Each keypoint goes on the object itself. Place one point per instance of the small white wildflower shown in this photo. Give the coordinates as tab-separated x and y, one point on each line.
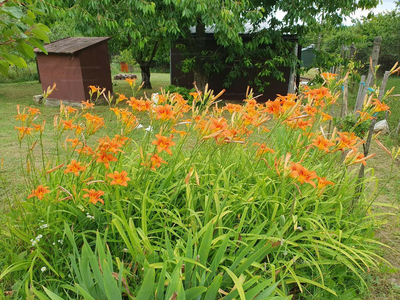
54	244
155	97
39	236
149	129
44	226
33	243
139	126
43	269
31	240
60	241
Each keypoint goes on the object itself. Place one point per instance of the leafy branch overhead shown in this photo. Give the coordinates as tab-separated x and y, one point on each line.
20	33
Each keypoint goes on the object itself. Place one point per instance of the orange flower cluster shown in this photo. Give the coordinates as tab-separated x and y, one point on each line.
93	123
303	175
26	120
164	112
127	118
108	148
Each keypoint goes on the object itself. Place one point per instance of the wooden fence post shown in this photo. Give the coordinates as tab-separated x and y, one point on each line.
371	74
360	101
370	80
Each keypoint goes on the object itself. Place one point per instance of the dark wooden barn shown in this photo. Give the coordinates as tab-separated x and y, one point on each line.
73	64
237	89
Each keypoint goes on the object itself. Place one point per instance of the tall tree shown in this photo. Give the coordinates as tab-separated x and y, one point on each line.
139	26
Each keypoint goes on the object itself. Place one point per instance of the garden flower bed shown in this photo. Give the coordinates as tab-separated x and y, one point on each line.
252	201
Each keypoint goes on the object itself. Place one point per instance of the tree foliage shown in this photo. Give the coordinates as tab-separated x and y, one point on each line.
362	34
132	24
142	26
20	33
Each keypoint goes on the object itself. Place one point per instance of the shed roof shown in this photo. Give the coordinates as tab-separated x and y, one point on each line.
71	45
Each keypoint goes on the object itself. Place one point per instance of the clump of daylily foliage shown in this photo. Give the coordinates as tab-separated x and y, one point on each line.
200	201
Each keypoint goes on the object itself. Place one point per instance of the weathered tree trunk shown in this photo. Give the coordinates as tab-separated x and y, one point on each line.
145	69
144	63
200	76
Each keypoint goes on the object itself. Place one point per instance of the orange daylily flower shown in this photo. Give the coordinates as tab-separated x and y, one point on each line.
180	132
288	101
87	105
218	124
379	106
67	124
164	112
108	145
318	94
85	150
233	107
33	111
74	142
74	167
195	95
119	178
322	143
326	117
120	139
364	116
131	81
322	182
302	174
163	143
71	110
263	149
105	158
156	161
310	110
121	97
22	131
21	117
39	127
94	89
347	140
328	76
39	192
274	107
93	123
94	196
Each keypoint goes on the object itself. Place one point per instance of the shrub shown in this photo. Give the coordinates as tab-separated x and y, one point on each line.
247	201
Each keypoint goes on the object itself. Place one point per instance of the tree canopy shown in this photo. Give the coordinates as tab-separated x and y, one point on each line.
143	26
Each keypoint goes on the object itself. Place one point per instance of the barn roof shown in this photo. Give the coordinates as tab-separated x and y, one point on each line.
71	45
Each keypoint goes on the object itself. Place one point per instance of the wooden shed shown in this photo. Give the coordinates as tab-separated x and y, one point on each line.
237	90
73	64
